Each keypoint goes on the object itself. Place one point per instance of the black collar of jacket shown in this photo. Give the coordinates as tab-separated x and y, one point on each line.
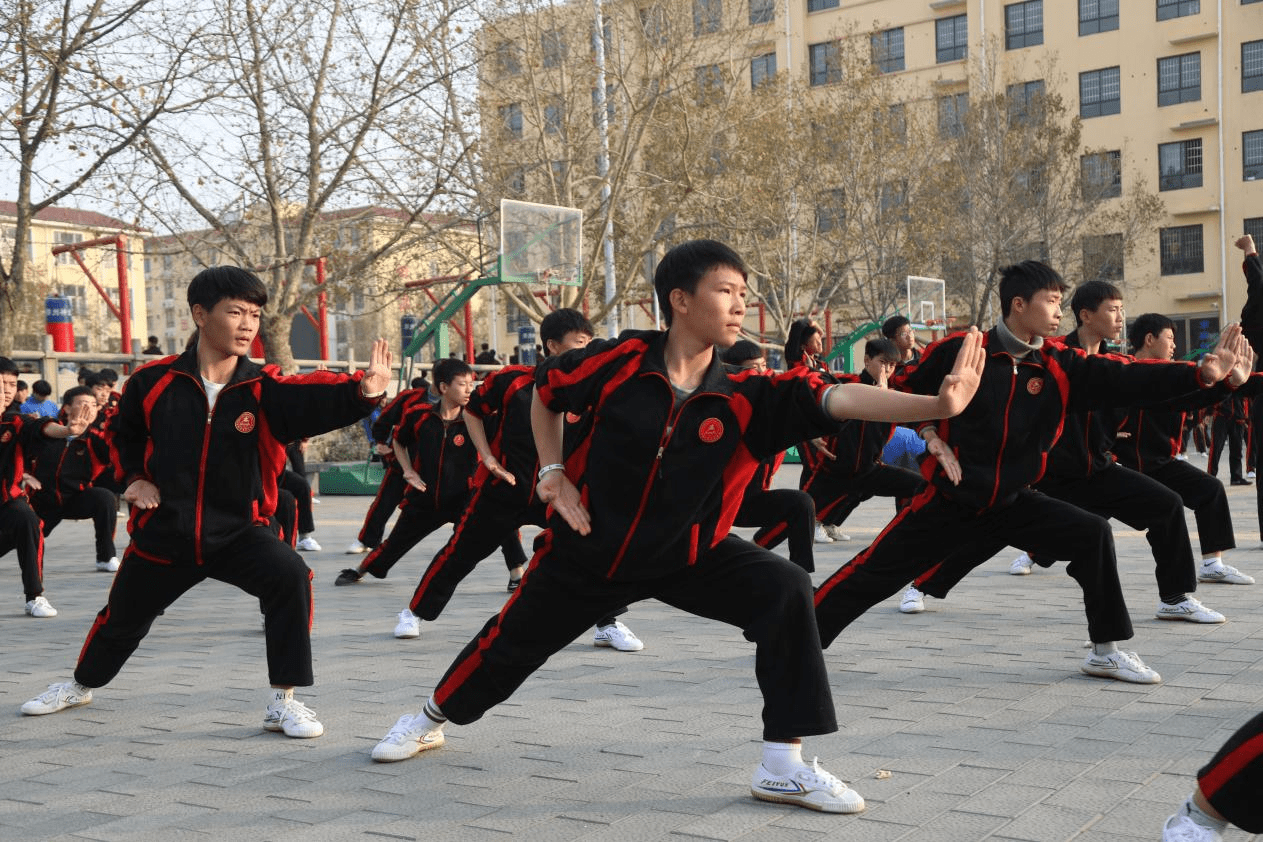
991	342
245	370
655	360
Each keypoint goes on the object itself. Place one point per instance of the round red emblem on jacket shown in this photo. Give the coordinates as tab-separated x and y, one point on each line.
571	418
1035	385
244	422
711	431
458	439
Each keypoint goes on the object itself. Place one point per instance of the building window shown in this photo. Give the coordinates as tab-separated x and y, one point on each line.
1099	93
1254	225
897	122
1103	257
762	69
831	210
1181	250
1179	79
560	171
1026	102
609	105
653	22
1251	66
514	318
552	48
554	115
1102	174
951	114
887	49
825	63
762	11
508	58
951	38
710	82
516	182
821	5
1097	16
1180	165
1252	155
65	238
1168	9
607	38
1023	24
708	16
511	118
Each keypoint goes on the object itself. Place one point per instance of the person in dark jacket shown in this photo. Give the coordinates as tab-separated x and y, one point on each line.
390	491
1000	445
656	485
198	442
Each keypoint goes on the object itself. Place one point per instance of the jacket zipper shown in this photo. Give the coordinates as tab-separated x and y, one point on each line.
1004	437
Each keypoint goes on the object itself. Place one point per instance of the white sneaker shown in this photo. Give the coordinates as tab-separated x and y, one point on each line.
1021	565
822	537
409	625
619	637
1180	457
404	741
835	532
1183	829
356	548
1123	666
315	501
40	607
307	545
56	697
1249	474
1225	573
108	566
808	786
294	718
913	601
1190	609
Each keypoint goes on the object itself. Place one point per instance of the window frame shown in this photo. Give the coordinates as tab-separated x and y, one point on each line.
767	61
1253	81
1101	107
1094	167
1102	21
958	48
1252	171
1192	165
1178	9
830	73
1176	263
882	43
1027	37
1184	91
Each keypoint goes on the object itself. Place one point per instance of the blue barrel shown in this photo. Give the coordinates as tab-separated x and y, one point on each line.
526	345
59	322
407	330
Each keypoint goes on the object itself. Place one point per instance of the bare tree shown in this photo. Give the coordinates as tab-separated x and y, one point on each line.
74	97
318	105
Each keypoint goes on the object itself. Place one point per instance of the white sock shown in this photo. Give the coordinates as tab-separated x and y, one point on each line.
281	695
1109	647
433	717
782	758
1211	560
1202	818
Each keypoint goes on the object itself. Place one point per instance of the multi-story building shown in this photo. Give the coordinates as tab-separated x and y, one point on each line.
95	326
1172	90
360	308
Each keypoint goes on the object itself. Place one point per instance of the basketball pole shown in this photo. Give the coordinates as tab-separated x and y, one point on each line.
603	169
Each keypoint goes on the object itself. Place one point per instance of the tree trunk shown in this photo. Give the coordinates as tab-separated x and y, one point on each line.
274	329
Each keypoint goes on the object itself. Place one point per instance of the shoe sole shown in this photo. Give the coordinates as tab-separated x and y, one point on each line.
1025	571
66	706
777	798
1223	581
1119	677
276	727
408	636
420	748
1191	618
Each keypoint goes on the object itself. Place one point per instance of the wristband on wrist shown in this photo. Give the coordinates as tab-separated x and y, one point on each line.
547	469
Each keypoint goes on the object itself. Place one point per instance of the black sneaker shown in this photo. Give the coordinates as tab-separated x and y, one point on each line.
348	577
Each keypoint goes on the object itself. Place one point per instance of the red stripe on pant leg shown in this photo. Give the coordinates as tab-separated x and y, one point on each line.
445	554
772	533
101	620
311	602
1224	771
921	580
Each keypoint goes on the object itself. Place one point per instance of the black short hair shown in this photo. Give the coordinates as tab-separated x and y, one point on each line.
74	392
216	283
1091	294
445	371
418	383
153	340
109	375
881	347
683	266
42	388
558	323
22	384
1147	324
742	351
8	366
799	332
1023	280
891	326
95	379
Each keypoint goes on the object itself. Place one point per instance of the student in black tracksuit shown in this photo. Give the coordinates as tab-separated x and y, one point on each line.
1000	443
66	470
1082	470
20	438
390	491
432	444
782	514
1228	425
499	424
198	442
899	331
674	442
1152	444
855	474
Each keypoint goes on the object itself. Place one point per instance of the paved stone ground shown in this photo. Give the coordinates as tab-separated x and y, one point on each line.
977	709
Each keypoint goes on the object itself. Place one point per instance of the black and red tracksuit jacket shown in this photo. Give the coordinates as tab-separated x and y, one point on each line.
503	403
1252	312
65	467
216	469
662	480
858	444
1003	438
810	456
442	455
20	437
393	412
